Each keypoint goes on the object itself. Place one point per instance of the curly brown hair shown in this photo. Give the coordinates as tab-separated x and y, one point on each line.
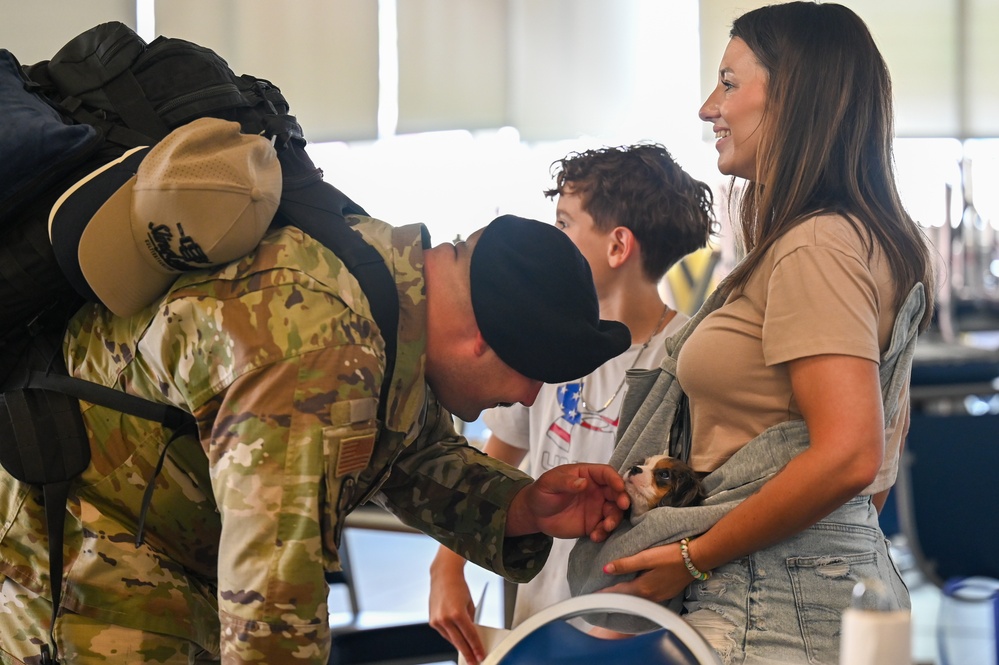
642	188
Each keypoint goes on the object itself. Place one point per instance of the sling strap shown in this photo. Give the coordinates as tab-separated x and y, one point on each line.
320	210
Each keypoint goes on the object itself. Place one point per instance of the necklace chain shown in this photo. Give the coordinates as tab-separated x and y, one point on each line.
582	382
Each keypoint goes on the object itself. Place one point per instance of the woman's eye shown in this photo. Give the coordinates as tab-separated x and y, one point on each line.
559	224
728	85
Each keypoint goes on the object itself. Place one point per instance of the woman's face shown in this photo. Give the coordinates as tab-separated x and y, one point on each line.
735	110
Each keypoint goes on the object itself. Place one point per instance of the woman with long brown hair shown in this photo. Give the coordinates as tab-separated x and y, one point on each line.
802	112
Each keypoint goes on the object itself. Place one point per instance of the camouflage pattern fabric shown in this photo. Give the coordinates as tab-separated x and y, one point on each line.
93	641
279	359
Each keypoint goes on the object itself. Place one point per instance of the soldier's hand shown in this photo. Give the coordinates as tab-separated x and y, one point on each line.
570	501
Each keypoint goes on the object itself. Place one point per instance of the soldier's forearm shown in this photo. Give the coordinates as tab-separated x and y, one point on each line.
520	519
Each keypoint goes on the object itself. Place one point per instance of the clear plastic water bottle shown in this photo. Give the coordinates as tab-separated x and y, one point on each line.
872	633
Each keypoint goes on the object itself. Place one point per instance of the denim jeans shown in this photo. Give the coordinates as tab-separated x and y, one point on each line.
784	604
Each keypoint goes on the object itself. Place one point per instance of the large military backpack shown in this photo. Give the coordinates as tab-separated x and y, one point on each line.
103	93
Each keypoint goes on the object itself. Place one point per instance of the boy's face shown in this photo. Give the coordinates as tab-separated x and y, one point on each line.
578	224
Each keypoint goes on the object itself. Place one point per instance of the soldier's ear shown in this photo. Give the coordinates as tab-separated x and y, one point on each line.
479	346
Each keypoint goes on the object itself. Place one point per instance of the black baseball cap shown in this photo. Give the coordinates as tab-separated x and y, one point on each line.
535	303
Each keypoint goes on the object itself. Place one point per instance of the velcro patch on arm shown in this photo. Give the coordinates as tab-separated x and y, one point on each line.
351	440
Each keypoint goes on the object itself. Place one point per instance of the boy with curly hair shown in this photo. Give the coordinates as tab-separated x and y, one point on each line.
633	212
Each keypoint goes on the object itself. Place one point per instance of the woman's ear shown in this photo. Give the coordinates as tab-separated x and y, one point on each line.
621	245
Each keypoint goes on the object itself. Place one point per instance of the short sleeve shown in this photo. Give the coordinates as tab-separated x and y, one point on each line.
820	300
510	424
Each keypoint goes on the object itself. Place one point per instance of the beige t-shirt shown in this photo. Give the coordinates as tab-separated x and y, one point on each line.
815	292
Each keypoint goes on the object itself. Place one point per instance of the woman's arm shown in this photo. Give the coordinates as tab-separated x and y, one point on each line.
840	400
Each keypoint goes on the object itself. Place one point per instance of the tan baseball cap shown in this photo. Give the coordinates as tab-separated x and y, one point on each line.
203	196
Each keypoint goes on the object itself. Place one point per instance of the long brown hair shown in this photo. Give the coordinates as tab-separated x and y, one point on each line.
827	139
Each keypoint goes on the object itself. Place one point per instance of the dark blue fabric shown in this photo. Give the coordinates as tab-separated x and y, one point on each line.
33	137
559	643
948	470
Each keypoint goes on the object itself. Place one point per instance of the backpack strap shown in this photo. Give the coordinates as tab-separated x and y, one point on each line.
46	444
56	495
129	100
320	210
171	417
168	415
113	132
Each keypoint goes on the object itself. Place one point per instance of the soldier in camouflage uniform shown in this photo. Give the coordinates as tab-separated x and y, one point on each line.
277	356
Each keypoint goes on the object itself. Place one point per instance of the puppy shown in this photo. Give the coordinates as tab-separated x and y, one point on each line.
662	481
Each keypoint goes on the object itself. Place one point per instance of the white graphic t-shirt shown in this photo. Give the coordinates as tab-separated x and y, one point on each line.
570	422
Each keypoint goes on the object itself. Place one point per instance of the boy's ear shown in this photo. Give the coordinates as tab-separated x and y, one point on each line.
622	245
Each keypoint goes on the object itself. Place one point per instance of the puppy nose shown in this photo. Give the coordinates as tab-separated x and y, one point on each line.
635	470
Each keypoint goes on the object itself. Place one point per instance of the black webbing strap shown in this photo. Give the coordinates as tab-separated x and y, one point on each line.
147	495
320	209
51	450
32	463
114	132
56	495
46	445
129	100
168	415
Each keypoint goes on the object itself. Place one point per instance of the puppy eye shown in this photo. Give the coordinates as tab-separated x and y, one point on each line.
662	475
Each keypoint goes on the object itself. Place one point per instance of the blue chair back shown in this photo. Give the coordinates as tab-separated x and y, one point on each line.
559	643
546	638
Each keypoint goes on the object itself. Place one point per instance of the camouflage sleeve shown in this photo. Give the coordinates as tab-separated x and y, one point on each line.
274	475
460	496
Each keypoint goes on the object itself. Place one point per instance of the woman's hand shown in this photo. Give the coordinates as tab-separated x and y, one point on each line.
846	434
664	575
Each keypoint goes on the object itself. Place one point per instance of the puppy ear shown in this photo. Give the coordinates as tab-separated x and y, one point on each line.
686	490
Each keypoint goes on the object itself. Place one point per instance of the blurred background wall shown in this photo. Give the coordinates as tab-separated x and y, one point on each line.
449	112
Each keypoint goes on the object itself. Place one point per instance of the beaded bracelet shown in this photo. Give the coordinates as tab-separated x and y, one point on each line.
691	568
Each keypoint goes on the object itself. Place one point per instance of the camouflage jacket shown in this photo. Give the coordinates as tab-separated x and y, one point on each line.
280	361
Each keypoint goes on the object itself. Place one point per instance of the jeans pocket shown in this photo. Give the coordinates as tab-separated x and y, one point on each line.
823	587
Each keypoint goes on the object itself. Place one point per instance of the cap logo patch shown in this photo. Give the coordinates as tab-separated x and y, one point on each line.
204	196
189	255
